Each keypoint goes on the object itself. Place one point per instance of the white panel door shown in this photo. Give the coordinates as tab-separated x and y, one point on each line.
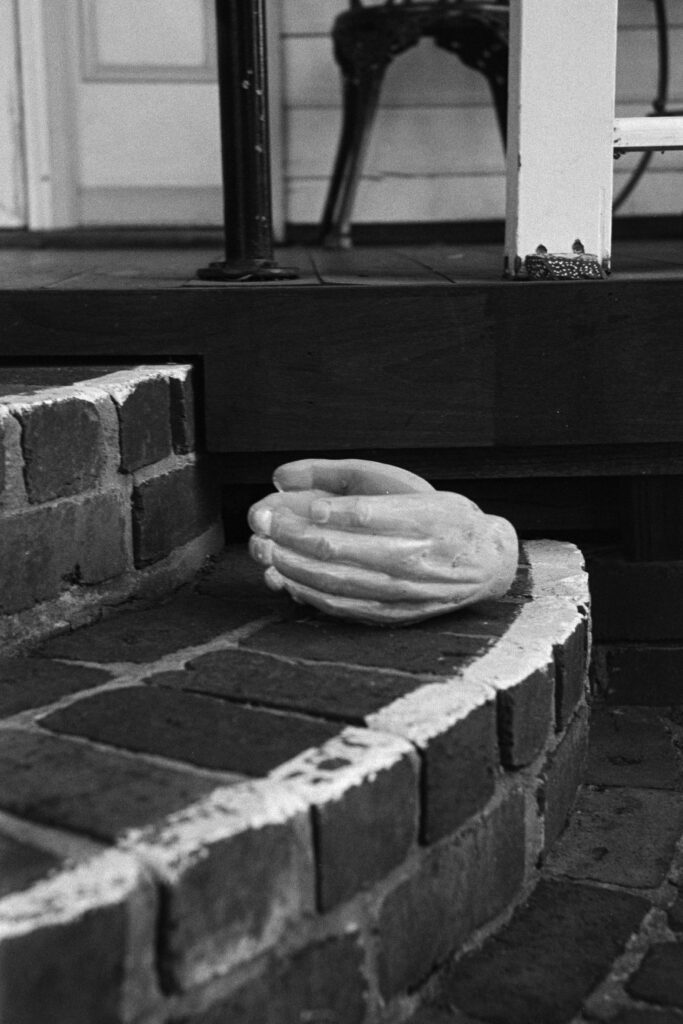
132	109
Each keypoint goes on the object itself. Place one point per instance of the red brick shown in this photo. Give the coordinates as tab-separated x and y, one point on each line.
459	885
171	509
65	974
27	380
525	716
538	669
59	782
183	427
138	636
641	674
435	1015
643	1016
22	864
236	870
235	575
542	965
636	601
571	668
659	979
77	948
408	650
336	692
619	836
323	982
63	446
562	776
453	726
558	571
631	747
144	411
486	618
363	788
31	682
367	834
200	730
46	549
2	451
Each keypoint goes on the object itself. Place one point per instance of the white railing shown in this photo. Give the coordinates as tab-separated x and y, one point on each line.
563	135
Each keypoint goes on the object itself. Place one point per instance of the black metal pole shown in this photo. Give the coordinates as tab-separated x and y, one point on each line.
245	146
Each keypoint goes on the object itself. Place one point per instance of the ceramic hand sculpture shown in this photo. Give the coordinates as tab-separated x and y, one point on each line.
377	544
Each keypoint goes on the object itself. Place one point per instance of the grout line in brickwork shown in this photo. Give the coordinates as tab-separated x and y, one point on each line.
70	846
609	995
134	671
179	841
221	778
170	462
425	677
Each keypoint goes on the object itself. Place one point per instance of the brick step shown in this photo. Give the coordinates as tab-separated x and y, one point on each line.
103	495
601	937
235	809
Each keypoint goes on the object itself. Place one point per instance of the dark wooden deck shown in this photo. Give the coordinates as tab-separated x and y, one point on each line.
421	351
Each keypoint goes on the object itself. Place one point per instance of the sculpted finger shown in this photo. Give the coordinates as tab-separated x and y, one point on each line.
348	476
395	556
408	515
504	556
261	549
259	516
399	613
356	582
277	582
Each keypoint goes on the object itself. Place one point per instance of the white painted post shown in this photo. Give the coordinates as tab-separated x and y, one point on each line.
560	138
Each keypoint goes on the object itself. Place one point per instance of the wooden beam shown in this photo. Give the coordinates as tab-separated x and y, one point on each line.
560	153
314	368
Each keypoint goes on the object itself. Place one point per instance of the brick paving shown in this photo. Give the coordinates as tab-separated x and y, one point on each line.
601	937
370	815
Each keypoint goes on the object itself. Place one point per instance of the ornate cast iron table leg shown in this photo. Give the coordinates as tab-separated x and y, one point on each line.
245	146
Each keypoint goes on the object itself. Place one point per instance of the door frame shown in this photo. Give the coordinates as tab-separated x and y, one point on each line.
12	168
43	177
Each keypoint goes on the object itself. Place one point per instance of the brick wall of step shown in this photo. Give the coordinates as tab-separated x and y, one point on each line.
102	497
230	808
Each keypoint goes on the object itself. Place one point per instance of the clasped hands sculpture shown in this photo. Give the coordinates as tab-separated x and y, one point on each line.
373	543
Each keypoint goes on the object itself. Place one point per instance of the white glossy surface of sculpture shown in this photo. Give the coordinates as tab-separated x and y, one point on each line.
376	544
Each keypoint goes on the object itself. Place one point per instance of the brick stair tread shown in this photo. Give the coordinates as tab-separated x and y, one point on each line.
198	738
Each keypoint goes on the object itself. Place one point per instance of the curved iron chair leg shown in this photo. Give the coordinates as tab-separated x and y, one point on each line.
481	42
366	40
360	103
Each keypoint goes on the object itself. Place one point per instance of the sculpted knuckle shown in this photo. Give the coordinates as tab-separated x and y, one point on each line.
362	513
325	549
